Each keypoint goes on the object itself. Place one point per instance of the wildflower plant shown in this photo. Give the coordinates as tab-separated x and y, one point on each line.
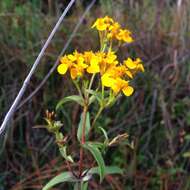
100	78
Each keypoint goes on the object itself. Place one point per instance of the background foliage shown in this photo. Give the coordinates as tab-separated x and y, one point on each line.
157	116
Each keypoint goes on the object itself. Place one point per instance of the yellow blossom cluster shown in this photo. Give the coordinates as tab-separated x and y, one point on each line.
114	74
112	30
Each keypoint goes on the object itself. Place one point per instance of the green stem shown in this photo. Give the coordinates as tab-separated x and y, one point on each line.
78	88
91	81
101	39
85	109
97	116
110	48
102	93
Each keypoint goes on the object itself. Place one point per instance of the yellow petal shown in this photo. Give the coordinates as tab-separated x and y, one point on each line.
80	60
64	60
93	69
128	39
128	90
129	74
73	73
130	63
94	60
116	88
140	67
100	24
62	69
71	57
107	80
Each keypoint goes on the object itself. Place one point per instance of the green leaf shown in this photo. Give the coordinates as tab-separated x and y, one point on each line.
63	177
98	145
108	170
81	186
84	186
95	94
105	135
64	154
74	98
92	99
87	128
98	157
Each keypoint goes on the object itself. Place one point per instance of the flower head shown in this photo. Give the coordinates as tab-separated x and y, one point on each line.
112	30
102	24
113	74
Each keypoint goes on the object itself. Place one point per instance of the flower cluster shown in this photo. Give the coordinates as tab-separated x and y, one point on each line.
113	74
112	30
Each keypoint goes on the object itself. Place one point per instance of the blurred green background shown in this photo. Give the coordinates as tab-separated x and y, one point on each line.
156	117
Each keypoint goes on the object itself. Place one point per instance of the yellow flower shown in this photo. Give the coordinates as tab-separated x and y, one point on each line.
107	80
64	66
117	84
111	58
94	65
130	63
71	57
74	73
114	75
113	30
87	56
128	90
75	63
102	24
122	70
129	73
140	66
77	70
79	66
108	20
124	35
62	69
122	85
134	65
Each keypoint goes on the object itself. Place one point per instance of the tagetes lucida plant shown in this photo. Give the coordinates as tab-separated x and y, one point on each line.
98	76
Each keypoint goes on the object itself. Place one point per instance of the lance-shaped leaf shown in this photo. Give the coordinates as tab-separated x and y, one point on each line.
64	154
108	170
74	98
98	157
95	94
105	135
61	178
80	126
81	186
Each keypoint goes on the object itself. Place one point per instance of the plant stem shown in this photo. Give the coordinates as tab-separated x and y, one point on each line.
78	88
91	81
85	109
97	115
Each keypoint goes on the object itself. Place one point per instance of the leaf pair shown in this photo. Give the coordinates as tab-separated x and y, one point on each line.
68	177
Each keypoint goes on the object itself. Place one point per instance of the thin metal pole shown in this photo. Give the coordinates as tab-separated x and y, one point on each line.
36	63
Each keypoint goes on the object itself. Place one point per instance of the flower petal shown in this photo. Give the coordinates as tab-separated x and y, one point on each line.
107	80
130	63
62	69
128	90
73	73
